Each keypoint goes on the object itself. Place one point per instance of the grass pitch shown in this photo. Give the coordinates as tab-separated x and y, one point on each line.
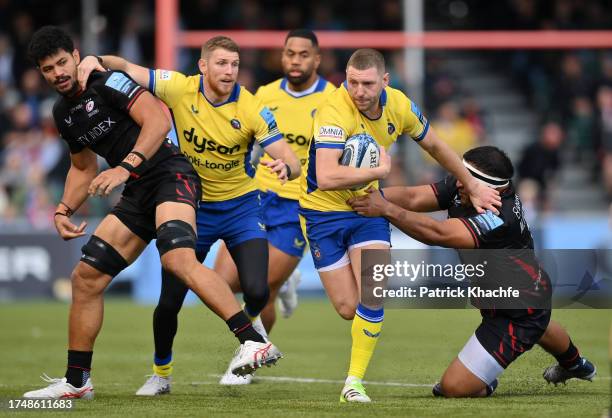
414	349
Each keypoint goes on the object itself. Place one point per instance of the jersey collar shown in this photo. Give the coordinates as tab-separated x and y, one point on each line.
232	98
382	100
317	87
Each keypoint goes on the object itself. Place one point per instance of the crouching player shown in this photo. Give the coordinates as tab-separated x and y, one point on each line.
504	334
121	122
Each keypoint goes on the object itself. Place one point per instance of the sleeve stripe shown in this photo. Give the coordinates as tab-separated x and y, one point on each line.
270	140
136	96
435	189
152	81
328	145
467	225
420	137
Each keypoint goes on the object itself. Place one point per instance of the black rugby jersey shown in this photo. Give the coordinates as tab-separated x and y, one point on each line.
510	256
98	118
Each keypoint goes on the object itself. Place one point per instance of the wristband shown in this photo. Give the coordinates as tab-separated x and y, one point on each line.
139	155
62	214
129	167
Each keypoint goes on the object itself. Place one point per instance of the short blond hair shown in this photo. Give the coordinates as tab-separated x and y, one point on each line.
366	58
218	42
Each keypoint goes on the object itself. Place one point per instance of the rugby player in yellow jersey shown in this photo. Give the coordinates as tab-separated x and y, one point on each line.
217	122
364	104
293	99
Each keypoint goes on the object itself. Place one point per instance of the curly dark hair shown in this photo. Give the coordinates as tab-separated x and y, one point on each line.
48	41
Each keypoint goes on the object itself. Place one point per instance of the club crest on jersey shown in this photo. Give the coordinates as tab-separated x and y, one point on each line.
390	128
235	123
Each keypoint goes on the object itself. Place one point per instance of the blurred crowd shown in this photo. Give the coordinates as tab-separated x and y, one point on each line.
570	91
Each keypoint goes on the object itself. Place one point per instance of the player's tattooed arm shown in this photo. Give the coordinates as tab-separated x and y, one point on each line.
450	233
83	168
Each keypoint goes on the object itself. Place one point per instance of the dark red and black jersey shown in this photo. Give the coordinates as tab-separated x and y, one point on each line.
98	118
503	240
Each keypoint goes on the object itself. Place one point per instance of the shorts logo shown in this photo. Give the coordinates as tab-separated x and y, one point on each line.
235	123
331	132
390	128
298	244
261	226
316	251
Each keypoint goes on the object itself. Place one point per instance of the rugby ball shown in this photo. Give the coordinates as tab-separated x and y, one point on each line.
360	151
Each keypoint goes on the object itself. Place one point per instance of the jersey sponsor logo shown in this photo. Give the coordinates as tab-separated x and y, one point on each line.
119	82
331	132
296	139
235	123
96	132
390	128
202	144
198	163
165	75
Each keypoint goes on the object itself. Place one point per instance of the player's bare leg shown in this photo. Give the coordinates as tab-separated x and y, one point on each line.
459	382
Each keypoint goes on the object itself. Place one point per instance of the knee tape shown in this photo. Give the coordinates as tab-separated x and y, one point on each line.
102	256
175	234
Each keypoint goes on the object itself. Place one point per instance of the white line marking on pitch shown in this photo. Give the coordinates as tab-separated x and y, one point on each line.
312	380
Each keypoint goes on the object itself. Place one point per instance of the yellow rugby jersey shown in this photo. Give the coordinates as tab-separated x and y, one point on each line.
293	113
339	119
216	139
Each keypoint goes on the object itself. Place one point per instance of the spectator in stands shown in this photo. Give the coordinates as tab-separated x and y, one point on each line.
541	160
604	135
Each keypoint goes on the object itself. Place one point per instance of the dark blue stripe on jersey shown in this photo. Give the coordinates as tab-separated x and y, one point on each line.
283	84
320	85
248	167
383	97
328	145
420	137
271	140
152	81
311	172
232	98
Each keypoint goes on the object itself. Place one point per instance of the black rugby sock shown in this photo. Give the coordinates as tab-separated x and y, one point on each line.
79	367
570	358
242	328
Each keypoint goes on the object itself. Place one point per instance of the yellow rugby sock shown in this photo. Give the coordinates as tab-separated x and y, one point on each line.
162	366
365	331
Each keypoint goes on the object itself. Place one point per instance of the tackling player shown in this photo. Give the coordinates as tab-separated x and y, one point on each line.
336	235
120	121
504	334
293	99
217	122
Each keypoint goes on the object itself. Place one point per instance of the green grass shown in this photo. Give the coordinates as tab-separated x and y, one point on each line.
415	347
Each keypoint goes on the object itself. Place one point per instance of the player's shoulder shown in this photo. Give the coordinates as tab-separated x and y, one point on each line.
60	107
327	86
270	88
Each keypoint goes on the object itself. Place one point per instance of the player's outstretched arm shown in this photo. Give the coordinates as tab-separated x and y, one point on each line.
91	63
450	233
483	198
331	175
414	198
283	157
83	168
